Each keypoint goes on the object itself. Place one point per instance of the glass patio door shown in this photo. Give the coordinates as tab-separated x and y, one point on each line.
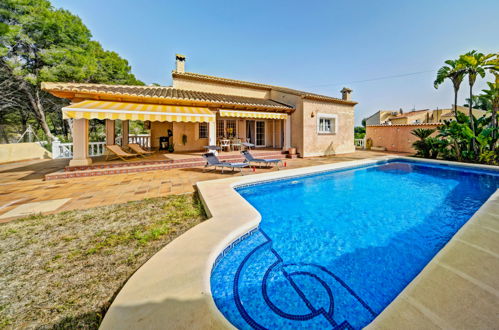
260	134
250	131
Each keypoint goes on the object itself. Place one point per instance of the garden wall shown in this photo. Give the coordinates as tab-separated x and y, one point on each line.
22	151
395	137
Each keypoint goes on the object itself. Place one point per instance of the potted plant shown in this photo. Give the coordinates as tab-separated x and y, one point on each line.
171	148
292	151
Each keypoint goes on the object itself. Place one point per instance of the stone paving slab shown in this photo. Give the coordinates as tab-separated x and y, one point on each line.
23	183
35	208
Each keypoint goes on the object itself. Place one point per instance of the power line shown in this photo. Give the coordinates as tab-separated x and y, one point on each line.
374	79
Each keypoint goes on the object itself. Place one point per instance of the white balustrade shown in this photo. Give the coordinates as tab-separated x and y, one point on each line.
144	140
361	143
96	148
65	150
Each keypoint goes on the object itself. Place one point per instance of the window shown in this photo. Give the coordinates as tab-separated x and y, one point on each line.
226	128
326	124
220	128
203	130
230	127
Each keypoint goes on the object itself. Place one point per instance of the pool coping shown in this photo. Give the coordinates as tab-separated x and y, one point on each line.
172	289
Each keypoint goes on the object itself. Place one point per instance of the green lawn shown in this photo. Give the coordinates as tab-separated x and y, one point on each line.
63	270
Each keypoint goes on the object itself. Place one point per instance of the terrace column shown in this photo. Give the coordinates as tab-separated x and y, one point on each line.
287	133
124	132
212	133
80	143
110	132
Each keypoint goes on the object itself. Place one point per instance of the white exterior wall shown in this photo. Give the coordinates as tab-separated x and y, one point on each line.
317	144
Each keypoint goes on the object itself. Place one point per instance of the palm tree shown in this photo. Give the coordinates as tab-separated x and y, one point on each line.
422	146
492	94
454	71
475	64
481	102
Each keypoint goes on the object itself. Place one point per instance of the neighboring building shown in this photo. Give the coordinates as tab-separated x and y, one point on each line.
205	108
392	117
392	130
380	117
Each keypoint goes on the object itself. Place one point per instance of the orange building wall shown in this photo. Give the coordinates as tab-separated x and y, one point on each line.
395	137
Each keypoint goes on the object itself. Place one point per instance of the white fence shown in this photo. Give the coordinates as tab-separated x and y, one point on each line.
360	143
65	150
143	140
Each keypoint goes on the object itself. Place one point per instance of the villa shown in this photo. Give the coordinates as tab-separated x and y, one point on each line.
200	110
424	116
391	130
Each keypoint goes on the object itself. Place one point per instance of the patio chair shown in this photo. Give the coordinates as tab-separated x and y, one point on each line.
236	144
117	151
212	160
250	159
139	151
225	144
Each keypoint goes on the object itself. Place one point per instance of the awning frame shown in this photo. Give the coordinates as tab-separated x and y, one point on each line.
252	114
183	113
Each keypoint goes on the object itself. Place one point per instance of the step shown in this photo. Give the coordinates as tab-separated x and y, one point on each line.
119	170
229	158
99	170
117	165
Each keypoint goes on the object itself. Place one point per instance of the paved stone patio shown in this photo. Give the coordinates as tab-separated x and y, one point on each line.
22	183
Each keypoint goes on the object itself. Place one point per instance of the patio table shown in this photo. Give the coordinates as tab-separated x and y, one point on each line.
214	149
248	145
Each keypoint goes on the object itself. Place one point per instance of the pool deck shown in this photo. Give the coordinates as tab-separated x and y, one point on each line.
459	287
23	189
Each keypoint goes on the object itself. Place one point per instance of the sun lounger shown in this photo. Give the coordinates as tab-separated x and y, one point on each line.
250	159
117	151
138	150
212	160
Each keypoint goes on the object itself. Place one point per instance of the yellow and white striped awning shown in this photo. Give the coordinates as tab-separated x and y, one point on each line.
252	114
137	111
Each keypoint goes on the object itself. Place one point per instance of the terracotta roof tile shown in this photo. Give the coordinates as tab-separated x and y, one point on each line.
162	92
411	113
413	124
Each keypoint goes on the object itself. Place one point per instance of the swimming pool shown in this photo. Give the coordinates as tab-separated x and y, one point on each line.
334	249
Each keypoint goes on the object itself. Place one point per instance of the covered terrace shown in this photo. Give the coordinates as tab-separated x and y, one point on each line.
188	120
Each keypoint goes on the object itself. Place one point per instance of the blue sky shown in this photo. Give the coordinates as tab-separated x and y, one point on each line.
318	46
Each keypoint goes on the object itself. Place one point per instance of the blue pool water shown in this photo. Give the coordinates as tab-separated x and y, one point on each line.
334	249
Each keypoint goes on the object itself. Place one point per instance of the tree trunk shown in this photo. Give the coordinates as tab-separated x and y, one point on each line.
456	90
24	123
458	151
3	133
36	105
472	122
494	125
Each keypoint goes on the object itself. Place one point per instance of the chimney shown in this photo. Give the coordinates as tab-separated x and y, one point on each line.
345	94
180	63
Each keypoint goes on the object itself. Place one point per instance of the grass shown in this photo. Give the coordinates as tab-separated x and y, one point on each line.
62	271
